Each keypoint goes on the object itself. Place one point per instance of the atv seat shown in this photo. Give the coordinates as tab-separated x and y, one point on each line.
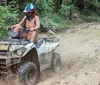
40	42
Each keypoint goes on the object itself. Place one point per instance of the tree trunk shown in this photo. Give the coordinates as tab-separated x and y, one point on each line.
35	2
5	2
80	4
58	4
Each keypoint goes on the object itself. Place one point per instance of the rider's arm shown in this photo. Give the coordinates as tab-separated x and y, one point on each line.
37	24
22	22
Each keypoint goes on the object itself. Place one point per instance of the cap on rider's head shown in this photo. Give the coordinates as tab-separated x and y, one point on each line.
29	8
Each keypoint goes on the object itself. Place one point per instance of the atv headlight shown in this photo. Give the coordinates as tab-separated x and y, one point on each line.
20	51
10	49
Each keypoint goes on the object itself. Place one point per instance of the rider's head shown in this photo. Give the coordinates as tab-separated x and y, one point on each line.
30	11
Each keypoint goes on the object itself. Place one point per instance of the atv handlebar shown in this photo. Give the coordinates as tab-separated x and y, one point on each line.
26	30
10	29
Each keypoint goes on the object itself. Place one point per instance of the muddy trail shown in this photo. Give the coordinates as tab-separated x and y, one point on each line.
80	52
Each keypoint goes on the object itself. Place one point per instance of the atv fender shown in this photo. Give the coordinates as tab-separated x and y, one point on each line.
29	47
32	56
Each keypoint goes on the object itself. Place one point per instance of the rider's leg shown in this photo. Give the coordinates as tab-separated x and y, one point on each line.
33	36
25	35
18	29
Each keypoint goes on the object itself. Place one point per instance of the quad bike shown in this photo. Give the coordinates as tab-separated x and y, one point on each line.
26	59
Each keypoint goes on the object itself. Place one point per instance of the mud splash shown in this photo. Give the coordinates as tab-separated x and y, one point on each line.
9	81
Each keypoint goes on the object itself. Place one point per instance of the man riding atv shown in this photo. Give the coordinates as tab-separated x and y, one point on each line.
31	23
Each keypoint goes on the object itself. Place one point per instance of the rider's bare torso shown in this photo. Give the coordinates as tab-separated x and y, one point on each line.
31	24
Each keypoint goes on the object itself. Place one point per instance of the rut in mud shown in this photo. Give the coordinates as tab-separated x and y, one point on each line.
80	51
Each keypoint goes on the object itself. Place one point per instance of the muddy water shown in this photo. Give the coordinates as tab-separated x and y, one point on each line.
79	49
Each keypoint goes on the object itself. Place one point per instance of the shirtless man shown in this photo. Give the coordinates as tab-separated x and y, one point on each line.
31	22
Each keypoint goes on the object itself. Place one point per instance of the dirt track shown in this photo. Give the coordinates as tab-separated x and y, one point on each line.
79	49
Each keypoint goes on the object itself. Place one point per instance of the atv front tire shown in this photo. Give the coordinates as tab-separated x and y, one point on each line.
28	73
56	63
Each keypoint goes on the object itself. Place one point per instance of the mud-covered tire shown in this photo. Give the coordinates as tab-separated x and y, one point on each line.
28	74
56	62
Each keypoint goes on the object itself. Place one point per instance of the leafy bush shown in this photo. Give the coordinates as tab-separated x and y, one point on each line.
48	24
7	18
46	8
65	10
46	15
51	19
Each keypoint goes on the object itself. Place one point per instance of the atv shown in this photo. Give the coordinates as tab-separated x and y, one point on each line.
26	59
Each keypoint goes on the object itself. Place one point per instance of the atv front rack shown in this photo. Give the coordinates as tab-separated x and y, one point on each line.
14	42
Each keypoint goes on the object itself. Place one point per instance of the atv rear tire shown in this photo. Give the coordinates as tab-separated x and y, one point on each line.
28	73
56	63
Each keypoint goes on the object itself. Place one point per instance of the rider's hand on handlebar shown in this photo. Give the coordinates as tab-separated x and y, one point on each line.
9	29
32	30
27	30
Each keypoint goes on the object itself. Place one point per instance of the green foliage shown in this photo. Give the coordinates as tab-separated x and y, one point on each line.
46	16
65	10
61	23
14	6
48	23
50	18
7	18
46	8
53	20
93	2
